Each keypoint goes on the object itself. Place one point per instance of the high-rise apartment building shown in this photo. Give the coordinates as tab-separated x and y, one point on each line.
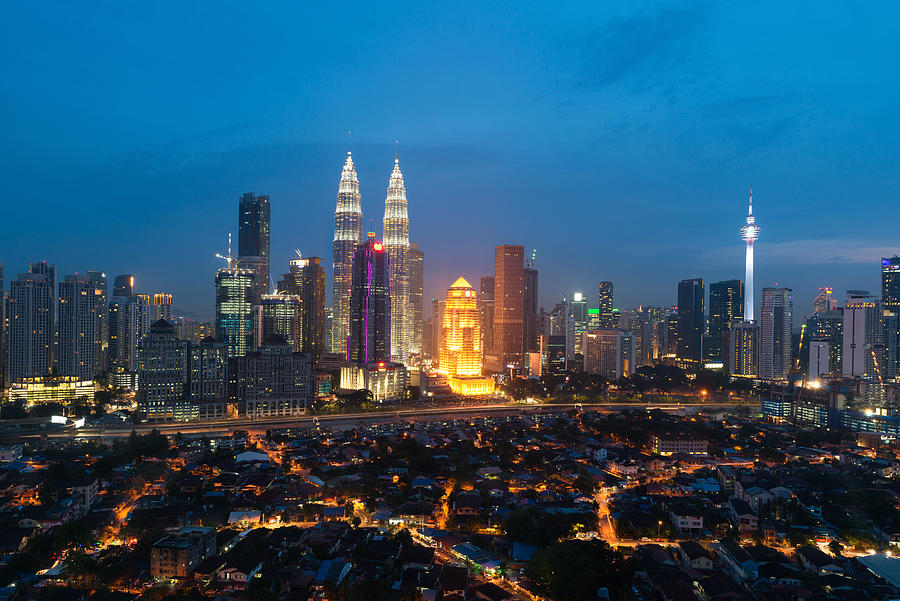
825	327
347	236
606	305
691	320
775	321
30	338
395	228
162	307
101	313
740	350
49	269
460	350
509	304
609	353
370	305
162	372
416	297
235	288
77	328
279	314
253	239
890	298
726	307
306	279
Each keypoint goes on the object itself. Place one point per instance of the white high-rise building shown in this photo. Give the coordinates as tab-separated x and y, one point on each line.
30	326
396	241
347	236
775	333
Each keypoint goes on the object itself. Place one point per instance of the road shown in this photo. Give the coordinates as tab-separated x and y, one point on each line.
349	420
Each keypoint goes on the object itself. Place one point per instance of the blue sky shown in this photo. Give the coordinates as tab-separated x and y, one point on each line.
622	137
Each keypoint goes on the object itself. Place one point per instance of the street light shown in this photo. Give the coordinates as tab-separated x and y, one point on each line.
658	526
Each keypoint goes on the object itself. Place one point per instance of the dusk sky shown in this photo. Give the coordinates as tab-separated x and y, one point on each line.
622	137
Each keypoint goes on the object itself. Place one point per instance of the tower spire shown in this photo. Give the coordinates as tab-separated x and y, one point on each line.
396	152
751	199
348	141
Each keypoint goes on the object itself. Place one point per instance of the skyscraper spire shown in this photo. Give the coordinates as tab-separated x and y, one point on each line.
347	235
396	240
749	233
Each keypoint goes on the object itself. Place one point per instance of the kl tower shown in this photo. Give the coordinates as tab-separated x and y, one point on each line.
749	232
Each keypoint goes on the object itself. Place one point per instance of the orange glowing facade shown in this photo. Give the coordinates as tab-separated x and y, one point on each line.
461	352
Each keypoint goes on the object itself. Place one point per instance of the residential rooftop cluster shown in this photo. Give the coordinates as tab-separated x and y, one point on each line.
558	505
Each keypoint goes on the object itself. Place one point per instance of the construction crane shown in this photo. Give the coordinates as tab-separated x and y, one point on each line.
530	262
228	259
800	348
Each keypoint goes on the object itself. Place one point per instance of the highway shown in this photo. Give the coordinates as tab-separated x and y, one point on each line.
345	421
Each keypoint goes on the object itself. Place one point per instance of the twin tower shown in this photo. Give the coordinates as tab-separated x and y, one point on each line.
348	235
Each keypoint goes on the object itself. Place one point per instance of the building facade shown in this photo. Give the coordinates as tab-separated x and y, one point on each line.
460	351
273	380
30	338
254	222
347	236
235	288
369	341
395	227
691	320
775	322
77	328
416	298
509	305
605	306
726	307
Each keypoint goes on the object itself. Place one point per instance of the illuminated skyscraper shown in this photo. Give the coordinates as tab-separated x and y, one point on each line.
486	310
775	321
370	305
347	236
416	297
749	233
253	238
606	306
77	324
235	288
509	305
101	312
30	326
460	350
825	301
129	322
740	350
162	307
396	241
579	318
890	298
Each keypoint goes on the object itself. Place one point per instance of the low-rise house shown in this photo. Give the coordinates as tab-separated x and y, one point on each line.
816	561
695	556
742	515
238	570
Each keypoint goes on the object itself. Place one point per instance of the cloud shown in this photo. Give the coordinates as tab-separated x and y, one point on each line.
642	51
814	252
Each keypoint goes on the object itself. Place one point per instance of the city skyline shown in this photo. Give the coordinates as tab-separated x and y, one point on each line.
183	166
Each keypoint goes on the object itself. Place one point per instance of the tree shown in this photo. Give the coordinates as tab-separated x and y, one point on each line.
835	547
584	483
573	570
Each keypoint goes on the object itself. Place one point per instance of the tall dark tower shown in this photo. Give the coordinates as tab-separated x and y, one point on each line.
347	236
370	305
253	238
890	298
606	306
690	320
726	307
307	280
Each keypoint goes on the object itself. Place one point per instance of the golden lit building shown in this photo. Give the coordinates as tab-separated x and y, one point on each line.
460	352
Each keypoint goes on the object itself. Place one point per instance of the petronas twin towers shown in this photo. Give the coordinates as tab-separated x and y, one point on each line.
348	235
